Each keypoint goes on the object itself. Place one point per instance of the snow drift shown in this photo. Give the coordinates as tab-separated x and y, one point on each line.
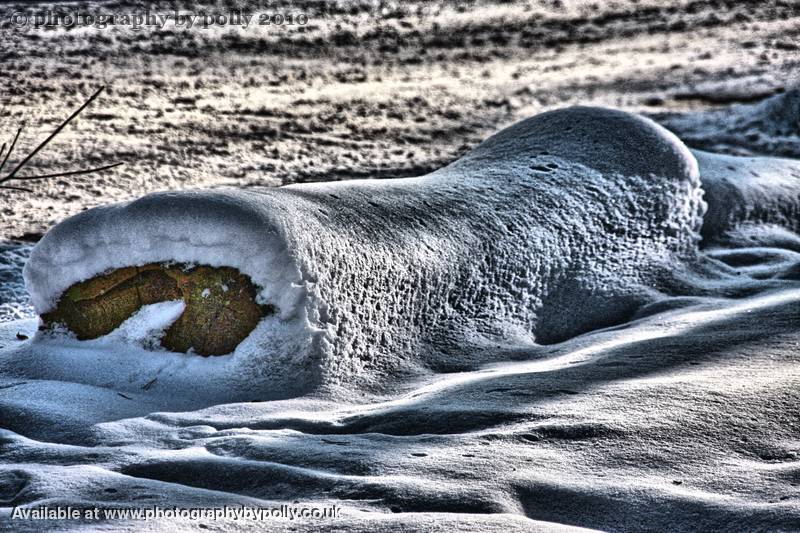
563	223
583	207
768	127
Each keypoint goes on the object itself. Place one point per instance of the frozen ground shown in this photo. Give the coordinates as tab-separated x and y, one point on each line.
680	415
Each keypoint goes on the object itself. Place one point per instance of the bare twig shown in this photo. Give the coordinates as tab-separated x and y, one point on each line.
70	173
13	143
12	188
150	383
13	174
52	135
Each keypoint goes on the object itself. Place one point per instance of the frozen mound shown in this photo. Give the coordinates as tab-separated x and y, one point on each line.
771	126
581	208
747	191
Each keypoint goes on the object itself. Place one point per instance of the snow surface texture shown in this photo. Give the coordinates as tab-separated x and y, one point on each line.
768	127
441	347
14	302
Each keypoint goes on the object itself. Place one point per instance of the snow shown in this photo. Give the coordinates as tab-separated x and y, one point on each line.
580	322
544	436
370	275
13	296
768	127
747	190
145	327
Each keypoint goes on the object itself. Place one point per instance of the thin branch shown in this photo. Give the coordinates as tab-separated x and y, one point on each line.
70	173
13	174
13	143
51	136
11	188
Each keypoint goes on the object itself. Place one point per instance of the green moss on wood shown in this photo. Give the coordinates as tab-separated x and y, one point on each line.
221	308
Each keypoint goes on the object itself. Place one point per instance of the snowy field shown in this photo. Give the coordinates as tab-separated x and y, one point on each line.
587	320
